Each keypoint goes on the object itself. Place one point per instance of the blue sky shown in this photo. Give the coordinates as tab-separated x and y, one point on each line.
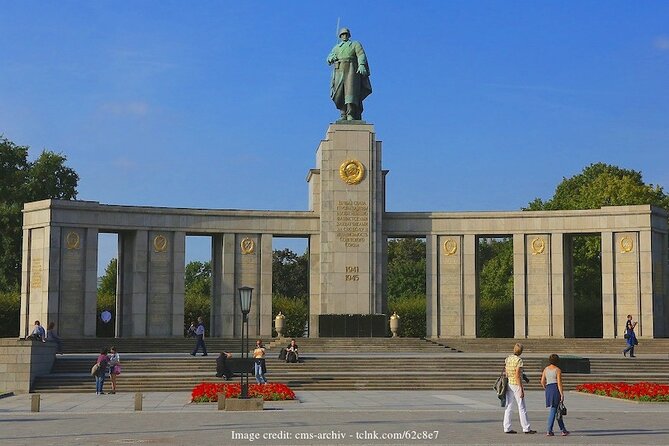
481	105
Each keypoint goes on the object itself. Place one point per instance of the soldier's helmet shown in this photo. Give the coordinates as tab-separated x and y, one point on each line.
344	31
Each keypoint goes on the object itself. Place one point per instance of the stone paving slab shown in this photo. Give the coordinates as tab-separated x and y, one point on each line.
323	418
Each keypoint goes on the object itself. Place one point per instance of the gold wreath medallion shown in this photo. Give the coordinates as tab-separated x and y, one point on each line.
352	171
450	247
73	241
160	243
248	246
538	246
626	244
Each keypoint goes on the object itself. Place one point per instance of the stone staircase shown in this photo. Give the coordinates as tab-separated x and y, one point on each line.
352	363
573	346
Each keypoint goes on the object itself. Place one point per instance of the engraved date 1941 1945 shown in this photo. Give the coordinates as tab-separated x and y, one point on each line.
352	273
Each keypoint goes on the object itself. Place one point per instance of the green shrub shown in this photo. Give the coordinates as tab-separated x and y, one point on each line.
411	311
495	318
296	310
10	308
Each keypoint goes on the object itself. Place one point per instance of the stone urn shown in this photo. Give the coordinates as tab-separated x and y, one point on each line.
279	324
394	324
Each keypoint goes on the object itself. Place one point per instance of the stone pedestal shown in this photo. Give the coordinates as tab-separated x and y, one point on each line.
348	188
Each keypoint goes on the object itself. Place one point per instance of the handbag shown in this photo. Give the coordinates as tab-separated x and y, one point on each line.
626	336
562	409
94	369
116	370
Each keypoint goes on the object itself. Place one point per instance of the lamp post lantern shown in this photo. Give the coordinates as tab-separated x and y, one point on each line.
245	295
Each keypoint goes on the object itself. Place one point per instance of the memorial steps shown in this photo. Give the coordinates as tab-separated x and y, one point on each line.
570	346
354	364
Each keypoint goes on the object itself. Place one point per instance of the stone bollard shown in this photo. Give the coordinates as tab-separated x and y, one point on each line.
138	401
221	401
34	402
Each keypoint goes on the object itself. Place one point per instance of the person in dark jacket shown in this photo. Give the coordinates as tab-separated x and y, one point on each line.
222	369
291	352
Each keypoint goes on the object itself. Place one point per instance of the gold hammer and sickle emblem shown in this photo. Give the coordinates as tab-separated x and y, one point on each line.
351	171
450	247
248	246
538	246
160	243
73	241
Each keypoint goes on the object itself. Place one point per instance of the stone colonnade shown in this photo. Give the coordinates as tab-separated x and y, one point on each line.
635	268
348	228
60	266
59	275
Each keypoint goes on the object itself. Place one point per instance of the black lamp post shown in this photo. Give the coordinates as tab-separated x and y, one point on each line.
245	294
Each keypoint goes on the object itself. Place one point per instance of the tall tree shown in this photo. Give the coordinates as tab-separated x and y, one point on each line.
23	181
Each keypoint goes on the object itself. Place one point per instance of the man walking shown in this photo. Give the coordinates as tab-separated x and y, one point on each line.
199	334
515	392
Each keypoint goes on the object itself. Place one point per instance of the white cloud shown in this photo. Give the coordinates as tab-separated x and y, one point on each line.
133	108
662	43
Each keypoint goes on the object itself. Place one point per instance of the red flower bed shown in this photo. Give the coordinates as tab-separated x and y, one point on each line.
642	391
208	392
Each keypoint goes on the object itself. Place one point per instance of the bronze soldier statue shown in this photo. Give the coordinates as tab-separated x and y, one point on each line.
350	78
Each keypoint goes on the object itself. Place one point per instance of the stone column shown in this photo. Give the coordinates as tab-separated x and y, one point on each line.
91	282
40	277
519	289
248	273
559	301
223	315
568	286
432	307
166	258
179	284
451	286
470	286
538	285
609	322
626	281
78	283
350	212
315	303
133	267
265	295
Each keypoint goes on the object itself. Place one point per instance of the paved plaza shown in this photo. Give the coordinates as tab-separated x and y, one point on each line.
323	418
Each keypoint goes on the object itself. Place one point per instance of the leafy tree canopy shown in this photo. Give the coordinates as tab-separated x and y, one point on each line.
406	267
23	181
107	285
600	185
290	273
198	279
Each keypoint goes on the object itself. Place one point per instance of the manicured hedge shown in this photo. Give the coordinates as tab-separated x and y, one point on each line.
411	311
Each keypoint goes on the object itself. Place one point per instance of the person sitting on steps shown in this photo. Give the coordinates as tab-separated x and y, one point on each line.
291	352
